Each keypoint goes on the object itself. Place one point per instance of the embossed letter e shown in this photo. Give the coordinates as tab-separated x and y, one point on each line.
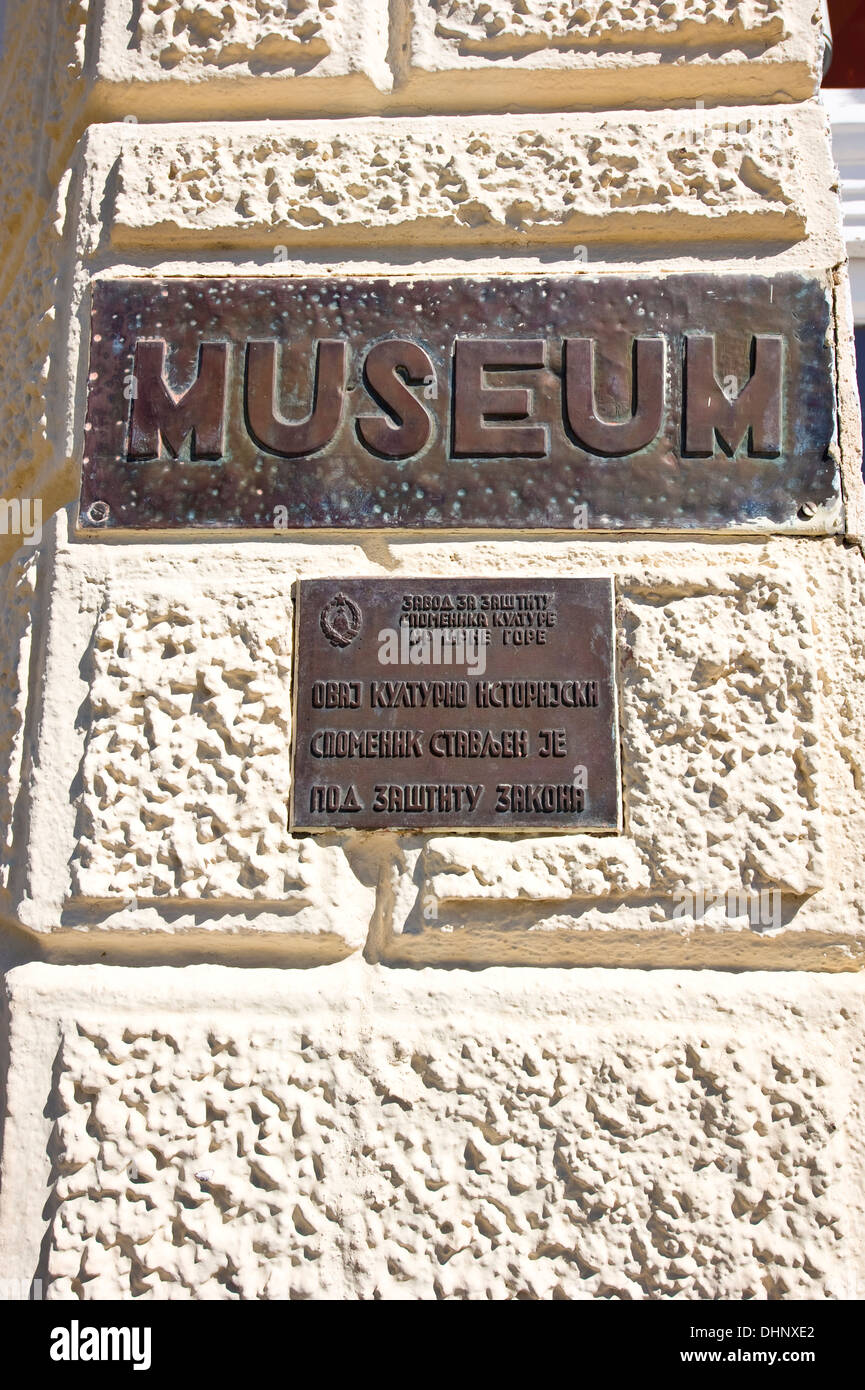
159	416
756	411
267	426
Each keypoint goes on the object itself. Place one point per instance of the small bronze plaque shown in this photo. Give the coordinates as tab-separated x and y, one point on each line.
599	403
461	704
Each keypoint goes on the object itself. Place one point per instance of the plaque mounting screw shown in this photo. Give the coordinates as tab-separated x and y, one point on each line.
808	509
98	513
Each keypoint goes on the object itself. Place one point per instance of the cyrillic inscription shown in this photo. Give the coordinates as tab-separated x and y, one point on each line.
430	715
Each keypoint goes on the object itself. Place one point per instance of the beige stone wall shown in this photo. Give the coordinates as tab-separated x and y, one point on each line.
358	1132
654	1087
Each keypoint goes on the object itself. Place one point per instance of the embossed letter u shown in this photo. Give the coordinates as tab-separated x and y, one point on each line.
613	438
267	426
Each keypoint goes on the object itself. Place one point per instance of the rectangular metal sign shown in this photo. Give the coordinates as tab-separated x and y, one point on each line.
462	704
601	403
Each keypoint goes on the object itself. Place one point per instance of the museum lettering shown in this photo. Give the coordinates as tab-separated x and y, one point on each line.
395	415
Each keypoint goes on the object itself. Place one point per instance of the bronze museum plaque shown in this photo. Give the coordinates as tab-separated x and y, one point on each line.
465	704
696	402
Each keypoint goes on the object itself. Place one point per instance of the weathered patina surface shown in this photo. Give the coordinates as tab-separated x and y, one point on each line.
694	402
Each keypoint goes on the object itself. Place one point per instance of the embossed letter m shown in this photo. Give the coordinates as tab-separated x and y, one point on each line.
157	414
710	414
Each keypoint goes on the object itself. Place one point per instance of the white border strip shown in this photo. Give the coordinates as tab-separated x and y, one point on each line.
846	108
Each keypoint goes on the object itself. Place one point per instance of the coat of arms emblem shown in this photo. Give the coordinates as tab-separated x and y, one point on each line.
341	620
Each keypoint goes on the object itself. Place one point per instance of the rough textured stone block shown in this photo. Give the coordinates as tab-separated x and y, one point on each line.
163	749
736	174
737	740
185	770
216	1134
570	52
253	54
720	732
